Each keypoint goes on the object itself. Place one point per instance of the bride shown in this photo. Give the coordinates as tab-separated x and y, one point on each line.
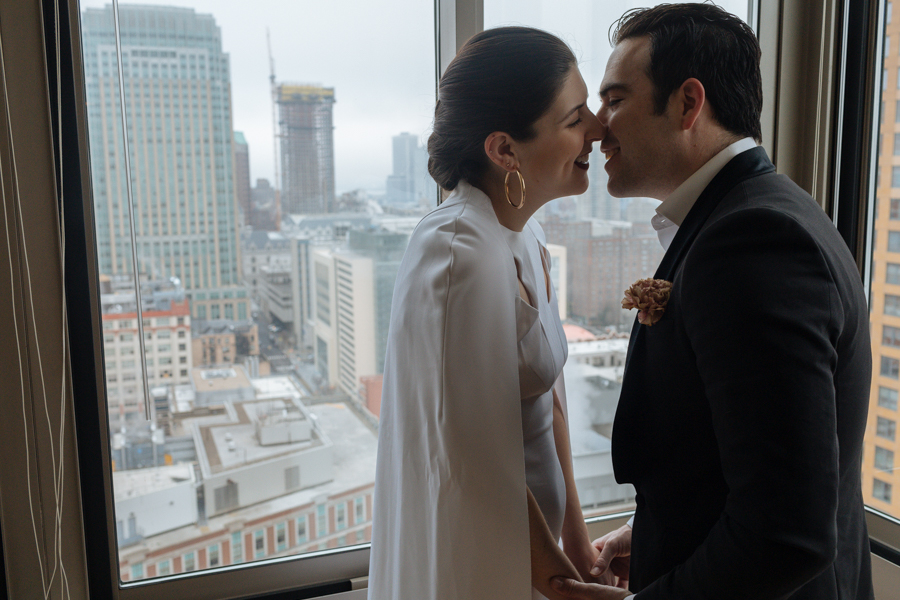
474	486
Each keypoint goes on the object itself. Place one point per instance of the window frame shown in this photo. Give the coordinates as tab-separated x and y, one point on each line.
842	159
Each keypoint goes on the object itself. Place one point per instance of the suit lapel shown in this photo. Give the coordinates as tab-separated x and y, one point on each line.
740	168
638	384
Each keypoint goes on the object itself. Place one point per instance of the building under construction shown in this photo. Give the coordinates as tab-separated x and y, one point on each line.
307	148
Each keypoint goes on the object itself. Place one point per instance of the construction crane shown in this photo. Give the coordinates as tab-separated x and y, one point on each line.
273	88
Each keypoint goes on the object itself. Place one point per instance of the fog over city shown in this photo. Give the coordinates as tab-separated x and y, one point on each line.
381	66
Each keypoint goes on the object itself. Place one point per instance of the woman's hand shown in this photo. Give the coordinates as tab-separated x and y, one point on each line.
582	554
613	556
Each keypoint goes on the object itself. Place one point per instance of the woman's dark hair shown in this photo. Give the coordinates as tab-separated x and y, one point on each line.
502	79
707	43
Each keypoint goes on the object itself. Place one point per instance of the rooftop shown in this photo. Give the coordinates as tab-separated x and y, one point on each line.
231	440
597	347
138	482
354	450
218	380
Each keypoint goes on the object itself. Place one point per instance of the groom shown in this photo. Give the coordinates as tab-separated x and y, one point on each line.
743	407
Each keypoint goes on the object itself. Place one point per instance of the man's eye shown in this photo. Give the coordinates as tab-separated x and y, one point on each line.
613	101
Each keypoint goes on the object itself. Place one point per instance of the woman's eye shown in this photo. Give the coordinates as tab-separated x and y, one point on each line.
576	122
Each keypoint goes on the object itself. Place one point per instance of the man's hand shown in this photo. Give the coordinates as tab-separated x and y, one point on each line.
615	555
587	591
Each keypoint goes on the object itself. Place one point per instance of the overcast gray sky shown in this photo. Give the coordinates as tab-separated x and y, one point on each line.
379	58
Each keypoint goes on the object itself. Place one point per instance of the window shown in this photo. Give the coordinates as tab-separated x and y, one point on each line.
199	270
321	521
891	336
894	241
893	274
137	571
280	537
301	529
360	514
887	398
882	491
890	367
886	428
892	305
237	548
884	459
259	543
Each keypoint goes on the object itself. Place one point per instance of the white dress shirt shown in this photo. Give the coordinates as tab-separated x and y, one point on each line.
671	213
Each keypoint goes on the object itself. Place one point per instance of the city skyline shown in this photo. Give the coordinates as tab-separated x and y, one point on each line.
374	104
180	142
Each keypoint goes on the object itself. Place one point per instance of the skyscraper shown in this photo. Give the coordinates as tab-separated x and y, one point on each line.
409	182
307	148
177	90
242	176
881	476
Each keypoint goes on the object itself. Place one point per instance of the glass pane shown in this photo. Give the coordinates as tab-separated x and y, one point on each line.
879	474
271	214
600	246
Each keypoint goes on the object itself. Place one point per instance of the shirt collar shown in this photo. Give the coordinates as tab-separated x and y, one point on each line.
679	203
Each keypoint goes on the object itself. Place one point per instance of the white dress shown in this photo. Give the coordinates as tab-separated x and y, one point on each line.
466	414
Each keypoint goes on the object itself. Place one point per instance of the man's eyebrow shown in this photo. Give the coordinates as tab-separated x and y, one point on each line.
574	110
606	89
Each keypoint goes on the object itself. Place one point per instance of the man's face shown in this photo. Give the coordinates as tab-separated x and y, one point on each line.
641	146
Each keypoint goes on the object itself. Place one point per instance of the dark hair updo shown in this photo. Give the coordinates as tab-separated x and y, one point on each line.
502	79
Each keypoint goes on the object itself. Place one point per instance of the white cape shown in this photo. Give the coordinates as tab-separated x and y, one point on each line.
450	509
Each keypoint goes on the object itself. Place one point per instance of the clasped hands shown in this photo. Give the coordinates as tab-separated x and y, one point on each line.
609	571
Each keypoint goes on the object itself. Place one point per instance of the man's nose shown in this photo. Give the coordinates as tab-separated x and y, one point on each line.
603	116
596	130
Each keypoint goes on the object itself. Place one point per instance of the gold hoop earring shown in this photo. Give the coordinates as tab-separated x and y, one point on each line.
506	187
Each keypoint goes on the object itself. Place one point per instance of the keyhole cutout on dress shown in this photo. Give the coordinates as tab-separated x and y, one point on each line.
523	292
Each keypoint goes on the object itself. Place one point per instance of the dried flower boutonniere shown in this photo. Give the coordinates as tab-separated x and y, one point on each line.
649	296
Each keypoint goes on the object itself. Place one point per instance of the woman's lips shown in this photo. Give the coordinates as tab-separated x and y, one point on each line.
582	161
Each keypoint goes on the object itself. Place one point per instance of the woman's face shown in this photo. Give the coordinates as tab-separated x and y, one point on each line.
555	162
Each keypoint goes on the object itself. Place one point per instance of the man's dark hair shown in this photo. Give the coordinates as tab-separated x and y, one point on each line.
502	79
707	43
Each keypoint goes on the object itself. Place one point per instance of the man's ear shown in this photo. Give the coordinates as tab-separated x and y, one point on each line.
499	149
690	99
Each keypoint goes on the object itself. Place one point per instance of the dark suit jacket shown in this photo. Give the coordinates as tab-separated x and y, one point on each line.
743	409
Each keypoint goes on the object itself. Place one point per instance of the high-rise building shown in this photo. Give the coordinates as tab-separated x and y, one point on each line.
167	327
307	148
881	469
265	213
177	89
242	176
604	258
409	182
596	202
353	289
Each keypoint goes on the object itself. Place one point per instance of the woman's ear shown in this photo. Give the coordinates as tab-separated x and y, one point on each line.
499	150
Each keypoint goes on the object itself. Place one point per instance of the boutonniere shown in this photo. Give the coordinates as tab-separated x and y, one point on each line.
650	297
